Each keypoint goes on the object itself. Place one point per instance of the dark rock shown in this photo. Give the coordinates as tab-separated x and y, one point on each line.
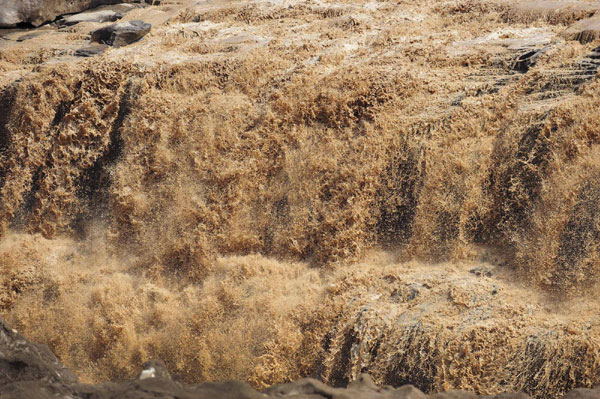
364	381
36	12
121	33
511	396
21	360
33	390
91	51
454	395
30	370
164	388
227	390
306	387
363	388
469	395
408	392
528	59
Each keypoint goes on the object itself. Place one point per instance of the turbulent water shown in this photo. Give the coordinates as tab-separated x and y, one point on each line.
266	205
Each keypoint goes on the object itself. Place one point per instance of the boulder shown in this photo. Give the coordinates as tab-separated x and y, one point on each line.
21	360
36	12
91	16
121	33
29	370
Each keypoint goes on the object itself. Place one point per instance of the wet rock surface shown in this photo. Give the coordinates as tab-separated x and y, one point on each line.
29	370
528	59
122	33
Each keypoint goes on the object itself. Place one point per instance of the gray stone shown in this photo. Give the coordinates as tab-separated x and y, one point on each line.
469	395
92	16
29	36
519	395
91	51
22	361
363	388
408	392
36	12
121	33
458	394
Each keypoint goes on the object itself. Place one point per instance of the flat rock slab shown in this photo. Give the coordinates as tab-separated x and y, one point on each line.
121	33
584	31
36	12
92	16
29	36
91	51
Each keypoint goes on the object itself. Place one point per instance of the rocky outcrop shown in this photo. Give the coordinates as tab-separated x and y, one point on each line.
31	371
36	12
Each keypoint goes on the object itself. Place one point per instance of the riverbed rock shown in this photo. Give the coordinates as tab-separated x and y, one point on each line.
121	33
92	16
91	50
37	12
29	370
